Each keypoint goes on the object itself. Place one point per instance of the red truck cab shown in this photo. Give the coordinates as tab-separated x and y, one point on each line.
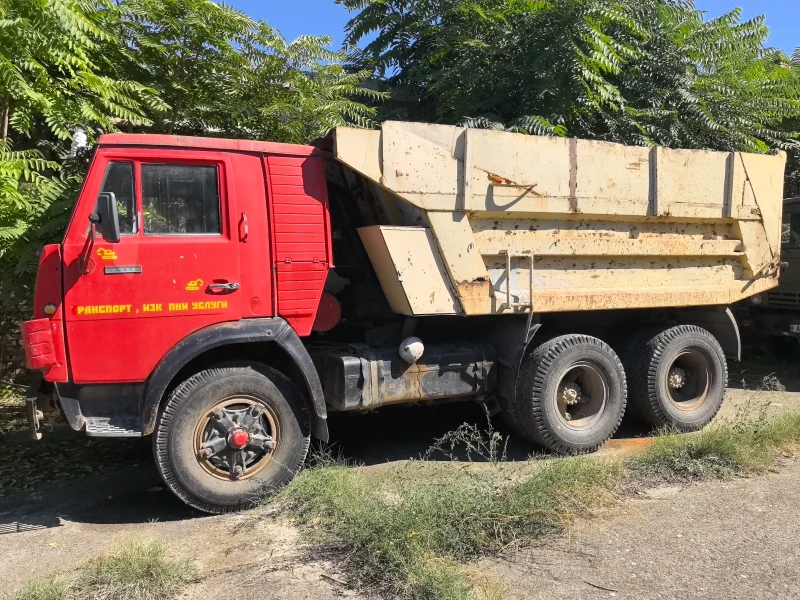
217	240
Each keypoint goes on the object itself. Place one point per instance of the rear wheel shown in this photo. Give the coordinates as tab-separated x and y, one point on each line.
571	394
230	435
677	376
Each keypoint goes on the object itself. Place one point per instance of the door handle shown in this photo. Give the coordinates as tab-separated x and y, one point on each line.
230	287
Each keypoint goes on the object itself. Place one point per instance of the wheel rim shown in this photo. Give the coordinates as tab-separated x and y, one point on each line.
688	379
236	438
581	395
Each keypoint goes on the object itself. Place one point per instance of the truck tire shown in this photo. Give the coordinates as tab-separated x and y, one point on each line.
571	394
678	377
231	435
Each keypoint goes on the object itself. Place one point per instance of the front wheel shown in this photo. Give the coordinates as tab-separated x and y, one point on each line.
230	435
571	394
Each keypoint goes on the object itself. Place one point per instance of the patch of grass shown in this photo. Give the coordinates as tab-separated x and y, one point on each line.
411	537
411	530
12	407
54	588
11	394
139	570
721	450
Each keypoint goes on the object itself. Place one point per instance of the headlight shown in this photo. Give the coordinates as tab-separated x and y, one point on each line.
756	300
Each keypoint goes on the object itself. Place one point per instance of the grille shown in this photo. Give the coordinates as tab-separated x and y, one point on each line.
783	300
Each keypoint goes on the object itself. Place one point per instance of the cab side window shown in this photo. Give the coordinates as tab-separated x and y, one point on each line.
180	199
118	180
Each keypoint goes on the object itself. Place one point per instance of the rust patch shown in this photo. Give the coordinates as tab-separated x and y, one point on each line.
474	294
500	180
573	175
627	446
477	287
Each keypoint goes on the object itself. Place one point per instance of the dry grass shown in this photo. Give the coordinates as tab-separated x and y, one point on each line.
139	570
411	531
411	536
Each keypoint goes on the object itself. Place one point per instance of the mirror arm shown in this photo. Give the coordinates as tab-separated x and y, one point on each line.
86	254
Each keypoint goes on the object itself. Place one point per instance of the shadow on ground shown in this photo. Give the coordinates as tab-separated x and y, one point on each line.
115	480
68	476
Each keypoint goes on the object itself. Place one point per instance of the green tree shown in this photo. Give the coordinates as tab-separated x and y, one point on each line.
792	187
630	71
171	66
47	71
224	74
49	84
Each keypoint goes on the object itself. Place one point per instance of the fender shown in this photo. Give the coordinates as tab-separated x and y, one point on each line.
720	322
241	332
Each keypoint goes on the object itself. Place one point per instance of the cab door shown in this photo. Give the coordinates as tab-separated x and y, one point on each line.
174	270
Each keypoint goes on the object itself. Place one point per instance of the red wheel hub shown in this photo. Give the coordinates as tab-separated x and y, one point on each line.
238	438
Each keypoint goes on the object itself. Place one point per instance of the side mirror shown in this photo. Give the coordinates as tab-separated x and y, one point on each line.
105	217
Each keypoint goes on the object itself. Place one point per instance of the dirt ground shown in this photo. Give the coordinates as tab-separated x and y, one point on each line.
68	499
718	540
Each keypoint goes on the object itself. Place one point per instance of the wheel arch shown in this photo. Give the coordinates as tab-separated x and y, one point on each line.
272	339
719	322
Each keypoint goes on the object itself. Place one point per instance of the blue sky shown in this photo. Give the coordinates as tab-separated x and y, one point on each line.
323	17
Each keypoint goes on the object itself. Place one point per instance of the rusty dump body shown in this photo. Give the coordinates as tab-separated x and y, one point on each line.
479	222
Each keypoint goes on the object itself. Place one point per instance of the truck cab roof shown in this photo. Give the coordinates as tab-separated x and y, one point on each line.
206	143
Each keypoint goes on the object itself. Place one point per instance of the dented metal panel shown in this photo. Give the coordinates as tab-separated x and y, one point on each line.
608	226
409	269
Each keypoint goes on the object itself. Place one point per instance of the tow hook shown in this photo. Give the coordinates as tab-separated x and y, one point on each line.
35	416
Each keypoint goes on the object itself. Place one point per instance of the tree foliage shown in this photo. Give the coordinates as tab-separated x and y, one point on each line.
631	71
164	66
221	73
48	72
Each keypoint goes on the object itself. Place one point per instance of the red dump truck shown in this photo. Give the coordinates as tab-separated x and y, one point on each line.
223	296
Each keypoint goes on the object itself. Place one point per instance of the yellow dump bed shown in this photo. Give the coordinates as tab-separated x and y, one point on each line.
487	222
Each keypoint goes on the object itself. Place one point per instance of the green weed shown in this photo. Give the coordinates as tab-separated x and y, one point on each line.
409	536
411	529
720	450
139	570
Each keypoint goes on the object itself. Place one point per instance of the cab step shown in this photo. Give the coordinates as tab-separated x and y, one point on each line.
113	427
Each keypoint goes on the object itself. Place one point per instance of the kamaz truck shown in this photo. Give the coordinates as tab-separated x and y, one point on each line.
225	296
